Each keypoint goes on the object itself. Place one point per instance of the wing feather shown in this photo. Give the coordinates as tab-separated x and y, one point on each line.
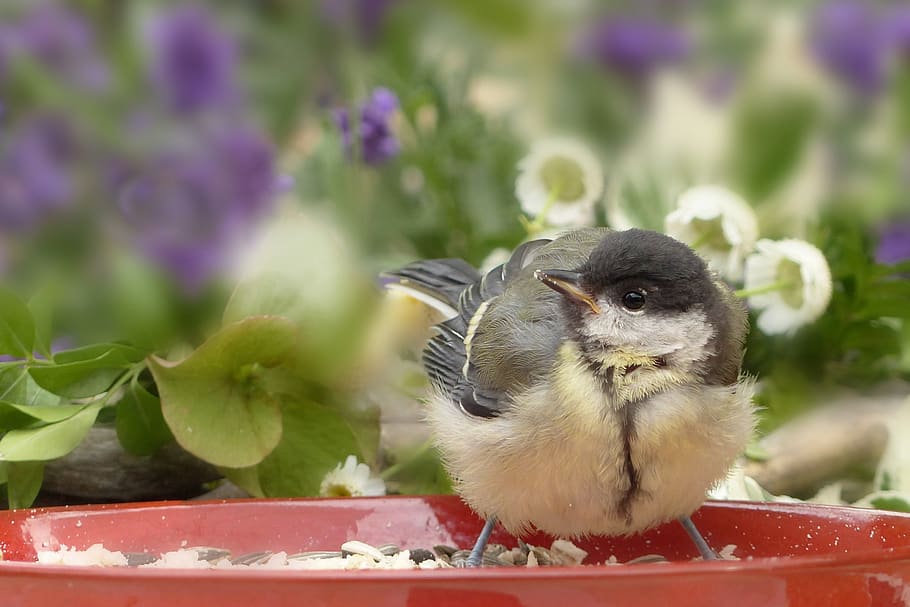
454	285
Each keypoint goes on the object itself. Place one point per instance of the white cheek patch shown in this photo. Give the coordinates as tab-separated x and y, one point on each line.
684	335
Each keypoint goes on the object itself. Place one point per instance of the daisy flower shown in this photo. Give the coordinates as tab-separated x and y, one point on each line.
718	224
351	479
737	486
558	183
789	281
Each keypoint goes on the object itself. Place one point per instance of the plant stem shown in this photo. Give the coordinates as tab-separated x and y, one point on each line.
769	288
128	377
400	465
540	222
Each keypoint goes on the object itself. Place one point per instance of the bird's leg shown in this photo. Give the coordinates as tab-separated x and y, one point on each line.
476	557
706	552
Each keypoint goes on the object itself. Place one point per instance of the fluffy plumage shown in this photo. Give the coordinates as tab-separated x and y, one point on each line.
579	419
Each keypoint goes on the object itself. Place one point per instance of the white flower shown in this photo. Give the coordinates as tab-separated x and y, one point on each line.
791	284
718	224
351	479
684	139
738	487
560	179
785	64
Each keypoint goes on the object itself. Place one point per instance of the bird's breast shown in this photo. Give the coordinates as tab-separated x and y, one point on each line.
570	460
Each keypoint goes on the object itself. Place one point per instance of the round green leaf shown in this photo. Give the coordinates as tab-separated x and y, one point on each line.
305	272
141	428
50	441
245	478
17	329
23	483
217	402
41	306
316	439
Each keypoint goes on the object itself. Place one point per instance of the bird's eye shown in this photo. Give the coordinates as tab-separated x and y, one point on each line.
633	300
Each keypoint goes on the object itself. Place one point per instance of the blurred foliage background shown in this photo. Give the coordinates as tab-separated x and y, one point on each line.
170	172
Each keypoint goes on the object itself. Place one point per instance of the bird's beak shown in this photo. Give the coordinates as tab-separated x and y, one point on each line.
567	283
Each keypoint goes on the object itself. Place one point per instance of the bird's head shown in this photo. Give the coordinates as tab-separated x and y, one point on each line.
645	304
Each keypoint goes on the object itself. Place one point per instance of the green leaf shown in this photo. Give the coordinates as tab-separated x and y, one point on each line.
365	424
885	500
897	503
50	441
87	371
41	306
23	483
419	471
120	354
245	478
316	439
141	304
502	18
770	132
17	329
901	103
17	386
641	199
306	274
755	452
140	425
13	415
216	401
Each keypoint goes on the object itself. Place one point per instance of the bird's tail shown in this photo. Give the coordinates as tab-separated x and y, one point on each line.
436	282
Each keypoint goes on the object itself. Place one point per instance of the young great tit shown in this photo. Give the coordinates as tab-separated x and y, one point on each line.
589	385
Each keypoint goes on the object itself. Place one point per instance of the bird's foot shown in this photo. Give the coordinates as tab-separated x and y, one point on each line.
475	559
703	548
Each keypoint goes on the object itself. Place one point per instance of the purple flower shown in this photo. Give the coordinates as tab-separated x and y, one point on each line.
193	59
188	206
898	25
376	141
850	41
35	169
633	46
364	16
894	243
58	344
60	40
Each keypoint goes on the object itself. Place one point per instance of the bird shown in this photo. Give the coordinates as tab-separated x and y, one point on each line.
589	385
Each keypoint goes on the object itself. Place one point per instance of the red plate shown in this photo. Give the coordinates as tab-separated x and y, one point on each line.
793	554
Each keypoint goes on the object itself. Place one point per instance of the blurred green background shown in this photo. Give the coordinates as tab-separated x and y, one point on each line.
169	169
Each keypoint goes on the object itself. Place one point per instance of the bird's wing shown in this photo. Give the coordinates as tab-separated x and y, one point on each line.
438	283
455	286
516	340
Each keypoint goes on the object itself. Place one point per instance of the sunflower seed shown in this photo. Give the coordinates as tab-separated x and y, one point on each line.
204	553
315	554
648	558
494	549
358	547
567	553
443	550
134	559
541	556
419	555
251	558
389	549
